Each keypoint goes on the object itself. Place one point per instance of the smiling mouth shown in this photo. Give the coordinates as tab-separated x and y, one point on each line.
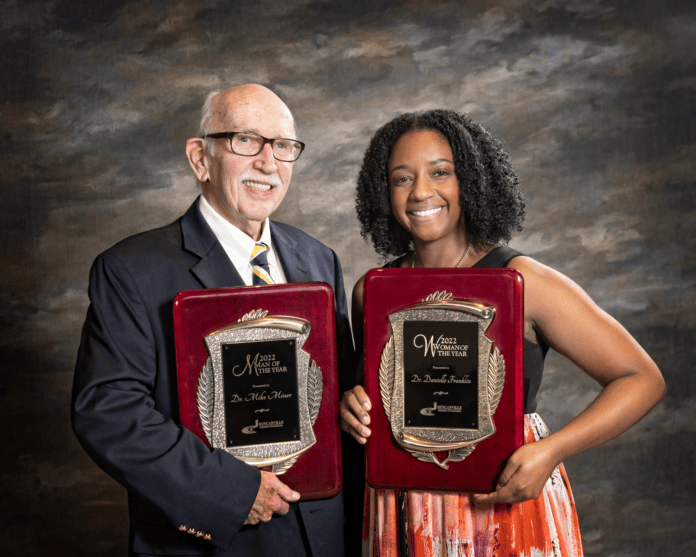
258	186
426	212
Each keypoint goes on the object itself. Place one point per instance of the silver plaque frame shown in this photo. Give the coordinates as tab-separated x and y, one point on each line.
256	326
424	442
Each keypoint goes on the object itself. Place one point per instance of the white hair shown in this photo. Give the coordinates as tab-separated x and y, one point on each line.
204	127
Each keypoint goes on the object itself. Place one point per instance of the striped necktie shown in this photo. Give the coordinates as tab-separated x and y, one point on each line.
259	263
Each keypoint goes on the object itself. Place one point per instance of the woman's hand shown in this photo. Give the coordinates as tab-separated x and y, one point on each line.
353	410
524	475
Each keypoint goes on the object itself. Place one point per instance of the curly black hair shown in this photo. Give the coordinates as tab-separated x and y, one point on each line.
489	190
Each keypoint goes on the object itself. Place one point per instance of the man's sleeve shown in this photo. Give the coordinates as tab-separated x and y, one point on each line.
116	419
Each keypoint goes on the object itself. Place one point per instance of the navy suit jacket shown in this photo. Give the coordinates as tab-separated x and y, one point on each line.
125	409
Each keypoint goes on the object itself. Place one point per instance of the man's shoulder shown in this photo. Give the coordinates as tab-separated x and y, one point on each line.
149	245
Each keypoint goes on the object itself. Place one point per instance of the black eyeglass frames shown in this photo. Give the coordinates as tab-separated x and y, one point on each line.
249	144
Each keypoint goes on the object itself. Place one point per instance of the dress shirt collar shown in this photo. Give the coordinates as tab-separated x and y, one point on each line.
238	245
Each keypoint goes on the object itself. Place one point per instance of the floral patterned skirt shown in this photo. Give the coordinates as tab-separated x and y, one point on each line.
425	524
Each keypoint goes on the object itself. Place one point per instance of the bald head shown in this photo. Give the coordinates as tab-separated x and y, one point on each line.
251	99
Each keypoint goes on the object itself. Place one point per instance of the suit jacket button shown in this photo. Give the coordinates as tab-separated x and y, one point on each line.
191	531
182	528
199	534
207	537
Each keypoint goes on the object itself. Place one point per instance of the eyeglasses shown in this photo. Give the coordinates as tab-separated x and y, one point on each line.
249	144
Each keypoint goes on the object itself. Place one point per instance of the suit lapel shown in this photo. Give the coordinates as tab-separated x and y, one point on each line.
214	270
295	267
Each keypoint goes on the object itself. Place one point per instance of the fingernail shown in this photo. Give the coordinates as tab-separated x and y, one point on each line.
367	406
365	432
295	495
366	420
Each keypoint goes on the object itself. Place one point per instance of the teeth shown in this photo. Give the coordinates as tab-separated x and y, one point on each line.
426	213
257	186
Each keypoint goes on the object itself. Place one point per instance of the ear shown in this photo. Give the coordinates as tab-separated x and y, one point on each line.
195	152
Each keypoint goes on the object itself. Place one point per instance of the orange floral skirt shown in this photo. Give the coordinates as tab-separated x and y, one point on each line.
450	525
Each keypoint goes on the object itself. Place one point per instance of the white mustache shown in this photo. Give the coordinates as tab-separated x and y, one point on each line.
273	180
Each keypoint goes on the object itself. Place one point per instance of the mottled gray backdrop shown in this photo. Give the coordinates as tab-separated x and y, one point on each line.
595	99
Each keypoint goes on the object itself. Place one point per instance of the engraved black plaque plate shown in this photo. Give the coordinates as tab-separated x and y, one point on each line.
260	390
441	374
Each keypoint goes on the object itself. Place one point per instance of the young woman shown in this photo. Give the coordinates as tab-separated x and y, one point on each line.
437	190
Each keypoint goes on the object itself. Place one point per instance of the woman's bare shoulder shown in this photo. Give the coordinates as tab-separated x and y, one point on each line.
539	277
359	290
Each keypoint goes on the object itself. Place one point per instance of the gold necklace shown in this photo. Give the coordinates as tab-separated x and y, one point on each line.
413	260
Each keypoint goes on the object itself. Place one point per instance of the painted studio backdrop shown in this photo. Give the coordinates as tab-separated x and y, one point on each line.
594	98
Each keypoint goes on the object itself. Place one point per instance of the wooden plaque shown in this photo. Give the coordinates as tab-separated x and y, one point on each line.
444	366
257	377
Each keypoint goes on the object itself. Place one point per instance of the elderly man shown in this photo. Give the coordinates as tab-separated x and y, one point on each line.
185	499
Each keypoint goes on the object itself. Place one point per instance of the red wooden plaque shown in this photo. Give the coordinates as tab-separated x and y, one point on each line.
317	472
388	291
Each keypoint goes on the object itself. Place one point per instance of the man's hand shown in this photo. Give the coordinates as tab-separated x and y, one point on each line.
273	497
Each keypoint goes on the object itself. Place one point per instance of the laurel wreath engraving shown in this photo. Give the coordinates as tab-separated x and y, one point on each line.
495	383
457	456
496	378
428	457
255	314
282	467
438	296
206	399
315	387
386	376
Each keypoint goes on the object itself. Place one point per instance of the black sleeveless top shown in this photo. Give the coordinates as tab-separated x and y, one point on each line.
534	353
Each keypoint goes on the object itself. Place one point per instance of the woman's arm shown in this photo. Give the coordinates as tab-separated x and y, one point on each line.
355	404
565	317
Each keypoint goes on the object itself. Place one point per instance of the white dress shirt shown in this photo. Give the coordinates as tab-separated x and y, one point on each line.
239	246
